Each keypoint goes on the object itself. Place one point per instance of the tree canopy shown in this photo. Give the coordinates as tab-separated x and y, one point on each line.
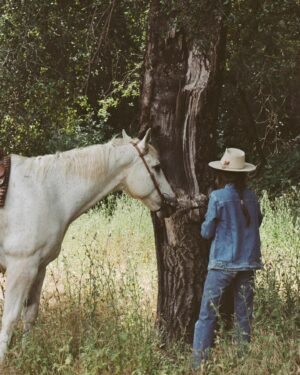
71	71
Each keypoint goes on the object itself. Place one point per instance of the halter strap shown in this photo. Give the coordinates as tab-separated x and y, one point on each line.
150	173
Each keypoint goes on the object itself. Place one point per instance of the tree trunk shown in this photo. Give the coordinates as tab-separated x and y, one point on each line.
180	94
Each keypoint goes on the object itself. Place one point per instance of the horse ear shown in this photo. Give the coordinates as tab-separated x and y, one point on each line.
125	136
143	144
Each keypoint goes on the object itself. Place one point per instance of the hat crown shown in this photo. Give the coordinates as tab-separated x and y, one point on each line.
233	158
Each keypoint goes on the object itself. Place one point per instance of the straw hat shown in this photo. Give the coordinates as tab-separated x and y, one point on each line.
233	160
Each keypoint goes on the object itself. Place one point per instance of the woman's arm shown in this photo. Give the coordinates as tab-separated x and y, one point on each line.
208	228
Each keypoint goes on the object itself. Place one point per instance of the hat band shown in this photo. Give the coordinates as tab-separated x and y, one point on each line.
225	165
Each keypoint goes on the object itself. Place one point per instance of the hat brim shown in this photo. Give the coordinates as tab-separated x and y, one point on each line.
218	165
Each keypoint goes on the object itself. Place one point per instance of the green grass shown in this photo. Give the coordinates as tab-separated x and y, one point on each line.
98	306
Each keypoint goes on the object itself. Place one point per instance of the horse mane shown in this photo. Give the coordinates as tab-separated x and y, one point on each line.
121	142
88	162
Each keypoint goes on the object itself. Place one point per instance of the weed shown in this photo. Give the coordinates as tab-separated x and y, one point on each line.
98	305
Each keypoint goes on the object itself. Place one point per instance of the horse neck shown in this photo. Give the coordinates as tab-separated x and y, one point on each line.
89	176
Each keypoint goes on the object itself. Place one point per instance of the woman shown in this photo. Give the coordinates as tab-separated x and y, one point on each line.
232	222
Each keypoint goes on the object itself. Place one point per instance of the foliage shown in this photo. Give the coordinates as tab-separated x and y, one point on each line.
263	45
71	71
281	174
197	19
59	63
98	306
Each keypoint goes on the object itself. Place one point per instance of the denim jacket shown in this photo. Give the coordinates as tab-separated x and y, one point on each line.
234	245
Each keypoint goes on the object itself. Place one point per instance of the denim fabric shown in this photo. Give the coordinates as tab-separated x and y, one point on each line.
235	246
216	282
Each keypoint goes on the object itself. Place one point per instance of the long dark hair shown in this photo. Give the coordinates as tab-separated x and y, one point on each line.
239	180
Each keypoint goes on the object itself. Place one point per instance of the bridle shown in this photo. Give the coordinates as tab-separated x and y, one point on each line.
164	198
155	183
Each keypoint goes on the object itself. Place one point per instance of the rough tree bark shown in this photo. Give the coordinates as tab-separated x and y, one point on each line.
180	94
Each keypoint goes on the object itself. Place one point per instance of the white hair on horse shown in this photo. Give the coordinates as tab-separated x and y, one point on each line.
46	193
88	162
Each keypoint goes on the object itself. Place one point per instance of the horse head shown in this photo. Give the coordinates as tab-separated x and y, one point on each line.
146	180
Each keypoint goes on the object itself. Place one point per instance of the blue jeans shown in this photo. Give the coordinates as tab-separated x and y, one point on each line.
215	284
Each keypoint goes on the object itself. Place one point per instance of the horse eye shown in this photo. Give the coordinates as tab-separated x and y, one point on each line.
157	168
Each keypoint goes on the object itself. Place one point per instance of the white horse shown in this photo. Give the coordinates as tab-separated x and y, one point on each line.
46	194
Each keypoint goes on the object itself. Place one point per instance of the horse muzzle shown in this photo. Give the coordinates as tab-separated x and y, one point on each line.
168	207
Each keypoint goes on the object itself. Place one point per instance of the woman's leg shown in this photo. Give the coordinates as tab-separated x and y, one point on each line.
216	282
243	304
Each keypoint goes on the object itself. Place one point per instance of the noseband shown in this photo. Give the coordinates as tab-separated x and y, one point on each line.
155	183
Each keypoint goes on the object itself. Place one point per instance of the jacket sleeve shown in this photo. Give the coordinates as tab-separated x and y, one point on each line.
208	227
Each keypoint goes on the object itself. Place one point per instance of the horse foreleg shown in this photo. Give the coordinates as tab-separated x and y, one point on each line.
20	276
31	306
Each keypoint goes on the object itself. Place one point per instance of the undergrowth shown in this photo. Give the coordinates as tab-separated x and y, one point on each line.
97	312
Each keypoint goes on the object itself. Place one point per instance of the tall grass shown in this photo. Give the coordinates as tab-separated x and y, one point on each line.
98	305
